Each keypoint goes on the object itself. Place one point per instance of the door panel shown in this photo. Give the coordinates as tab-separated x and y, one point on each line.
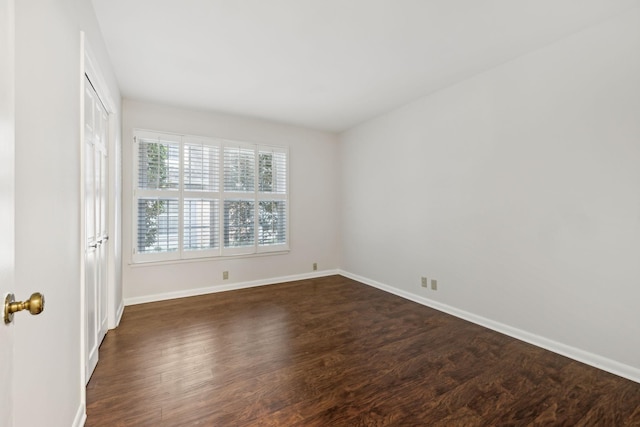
7	207
90	267
102	202
91	311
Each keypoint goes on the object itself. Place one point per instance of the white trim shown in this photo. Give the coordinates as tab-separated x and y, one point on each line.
600	362
204	259
225	288
119	313
92	69
81	416
83	237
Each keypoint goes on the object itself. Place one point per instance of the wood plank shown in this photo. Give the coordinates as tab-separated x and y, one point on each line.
332	351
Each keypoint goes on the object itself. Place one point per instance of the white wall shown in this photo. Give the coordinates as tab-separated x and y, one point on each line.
48	389
313	163
518	190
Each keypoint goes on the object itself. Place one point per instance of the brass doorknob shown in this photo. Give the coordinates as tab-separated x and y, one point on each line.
35	305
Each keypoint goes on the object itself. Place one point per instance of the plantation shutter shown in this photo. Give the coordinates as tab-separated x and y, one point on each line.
272	195
239	169
200	197
201	182
201	224
157	196
239	198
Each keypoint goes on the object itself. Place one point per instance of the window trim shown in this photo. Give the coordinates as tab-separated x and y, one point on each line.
182	254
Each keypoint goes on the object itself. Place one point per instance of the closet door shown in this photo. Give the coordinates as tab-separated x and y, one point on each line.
97	237
102	198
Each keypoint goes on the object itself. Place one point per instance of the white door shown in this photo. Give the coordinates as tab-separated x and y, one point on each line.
96	232
102	196
7	144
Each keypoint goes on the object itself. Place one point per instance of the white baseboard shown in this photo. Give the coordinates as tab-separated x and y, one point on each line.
81	417
119	313
113	323
582	356
224	288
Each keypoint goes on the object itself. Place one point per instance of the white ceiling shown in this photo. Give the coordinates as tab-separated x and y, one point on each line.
323	64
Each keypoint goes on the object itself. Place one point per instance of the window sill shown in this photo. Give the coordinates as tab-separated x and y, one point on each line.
205	259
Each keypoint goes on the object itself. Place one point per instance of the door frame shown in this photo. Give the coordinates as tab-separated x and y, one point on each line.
89	67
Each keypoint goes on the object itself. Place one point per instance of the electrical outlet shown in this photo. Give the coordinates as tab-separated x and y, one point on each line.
434	284
424	282
225	275
315	266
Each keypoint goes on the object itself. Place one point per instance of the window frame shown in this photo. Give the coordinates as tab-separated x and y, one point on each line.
219	194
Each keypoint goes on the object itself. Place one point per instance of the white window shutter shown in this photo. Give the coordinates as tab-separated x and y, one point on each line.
203	197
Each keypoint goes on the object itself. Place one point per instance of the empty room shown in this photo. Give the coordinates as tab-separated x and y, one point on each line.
320	213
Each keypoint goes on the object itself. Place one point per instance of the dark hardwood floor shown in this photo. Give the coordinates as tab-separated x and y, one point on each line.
334	352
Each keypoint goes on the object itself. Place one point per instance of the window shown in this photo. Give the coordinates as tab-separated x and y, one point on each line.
204	197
